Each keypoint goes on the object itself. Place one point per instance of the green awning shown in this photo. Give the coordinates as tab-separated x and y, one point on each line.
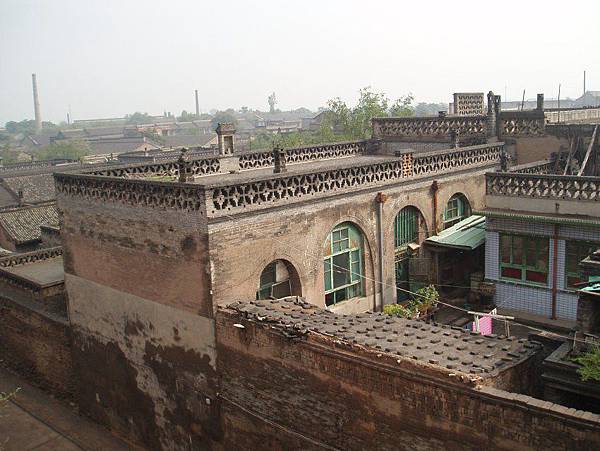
467	234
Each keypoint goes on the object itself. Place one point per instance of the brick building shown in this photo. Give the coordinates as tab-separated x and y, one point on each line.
166	265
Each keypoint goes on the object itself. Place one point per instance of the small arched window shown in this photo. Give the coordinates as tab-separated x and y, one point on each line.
343	264
457	209
406	227
278	280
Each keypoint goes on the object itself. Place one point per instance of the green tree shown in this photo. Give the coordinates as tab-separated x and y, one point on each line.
590	365
355	123
187	117
223	116
69	149
139	118
26	126
402	107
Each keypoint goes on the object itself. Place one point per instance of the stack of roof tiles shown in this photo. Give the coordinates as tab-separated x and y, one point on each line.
447	347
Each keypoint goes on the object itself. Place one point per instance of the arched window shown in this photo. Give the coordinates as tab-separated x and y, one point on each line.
406	231
343	264
406	227
457	209
278	280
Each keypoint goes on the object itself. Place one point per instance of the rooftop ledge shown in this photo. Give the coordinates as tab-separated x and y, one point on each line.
319	171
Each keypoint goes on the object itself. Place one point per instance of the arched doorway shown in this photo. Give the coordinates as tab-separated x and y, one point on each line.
408	234
343	262
457	209
278	280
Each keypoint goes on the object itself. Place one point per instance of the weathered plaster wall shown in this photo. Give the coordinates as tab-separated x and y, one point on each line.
143	333
530	149
37	345
285	393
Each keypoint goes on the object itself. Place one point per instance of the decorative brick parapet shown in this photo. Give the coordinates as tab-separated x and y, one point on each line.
431	162
522	123
558	187
221	197
255	160
429	128
30	257
145	193
537	167
199	166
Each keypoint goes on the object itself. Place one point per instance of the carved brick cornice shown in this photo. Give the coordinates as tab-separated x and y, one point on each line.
256	160
418	128
30	257
558	187
145	193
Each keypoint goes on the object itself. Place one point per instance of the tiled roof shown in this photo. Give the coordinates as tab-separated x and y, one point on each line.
189	140
23	224
119	145
448	348
36	187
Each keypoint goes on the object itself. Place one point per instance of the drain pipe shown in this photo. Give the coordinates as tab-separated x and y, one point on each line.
554	268
434	191
380	199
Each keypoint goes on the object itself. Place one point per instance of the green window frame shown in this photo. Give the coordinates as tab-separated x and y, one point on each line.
269	286
575	251
456	210
343	264
524	258
406	227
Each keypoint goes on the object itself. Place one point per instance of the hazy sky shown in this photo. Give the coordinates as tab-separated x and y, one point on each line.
109	58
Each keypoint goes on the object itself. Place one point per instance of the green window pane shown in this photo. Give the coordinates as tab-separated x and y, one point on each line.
341	270
355	276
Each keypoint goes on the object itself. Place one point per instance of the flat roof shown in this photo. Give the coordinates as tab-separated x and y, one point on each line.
308	167
43	272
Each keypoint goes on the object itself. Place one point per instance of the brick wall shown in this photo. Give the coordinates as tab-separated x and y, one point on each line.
138	281
37	345
314	393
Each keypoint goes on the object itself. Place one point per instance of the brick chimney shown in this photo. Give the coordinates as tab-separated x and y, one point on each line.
279	160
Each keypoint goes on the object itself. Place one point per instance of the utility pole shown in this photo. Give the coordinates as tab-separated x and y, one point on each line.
523	101
583	82
559	103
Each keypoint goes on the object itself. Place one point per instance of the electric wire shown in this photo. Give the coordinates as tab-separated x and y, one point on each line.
319	258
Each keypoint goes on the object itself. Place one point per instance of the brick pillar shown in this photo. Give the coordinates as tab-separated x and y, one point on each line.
279	161
491	116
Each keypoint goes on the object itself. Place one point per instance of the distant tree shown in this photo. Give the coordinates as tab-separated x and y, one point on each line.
223	116
355	123
402	107
187	117
139	118
304	112
26	126
8	156
69	149
272	102
244	110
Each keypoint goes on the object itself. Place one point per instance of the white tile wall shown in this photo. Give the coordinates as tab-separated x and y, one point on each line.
534	300
492	262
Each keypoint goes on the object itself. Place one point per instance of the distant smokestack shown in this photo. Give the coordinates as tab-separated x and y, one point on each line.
36	105
197	105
